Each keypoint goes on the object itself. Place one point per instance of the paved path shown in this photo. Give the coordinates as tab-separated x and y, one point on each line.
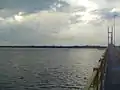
112	78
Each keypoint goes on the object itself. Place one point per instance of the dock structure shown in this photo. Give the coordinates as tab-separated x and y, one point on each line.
112	74
106	76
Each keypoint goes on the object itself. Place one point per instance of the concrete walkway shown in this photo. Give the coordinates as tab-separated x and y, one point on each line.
112	78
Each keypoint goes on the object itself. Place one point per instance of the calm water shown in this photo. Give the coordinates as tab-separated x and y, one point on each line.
46	69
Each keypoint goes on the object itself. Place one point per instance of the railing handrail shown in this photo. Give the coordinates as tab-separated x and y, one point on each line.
97	74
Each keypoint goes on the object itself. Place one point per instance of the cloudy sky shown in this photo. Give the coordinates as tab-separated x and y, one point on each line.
57	22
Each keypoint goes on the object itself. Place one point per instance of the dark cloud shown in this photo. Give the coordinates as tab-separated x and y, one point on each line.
28	5
9	8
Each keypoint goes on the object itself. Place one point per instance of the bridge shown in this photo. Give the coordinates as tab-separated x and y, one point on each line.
106	76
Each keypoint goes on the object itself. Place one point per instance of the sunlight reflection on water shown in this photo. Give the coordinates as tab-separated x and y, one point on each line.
46	69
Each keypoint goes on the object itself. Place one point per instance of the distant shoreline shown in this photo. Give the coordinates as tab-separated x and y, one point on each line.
98	47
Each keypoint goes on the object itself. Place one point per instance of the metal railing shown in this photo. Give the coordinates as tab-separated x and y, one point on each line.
95	82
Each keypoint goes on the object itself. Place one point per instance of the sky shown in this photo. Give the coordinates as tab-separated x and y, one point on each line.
57	22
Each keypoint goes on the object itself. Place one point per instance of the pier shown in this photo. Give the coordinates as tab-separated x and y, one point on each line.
106	76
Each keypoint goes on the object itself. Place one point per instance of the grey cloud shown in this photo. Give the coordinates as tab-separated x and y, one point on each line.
20	35
106	13
112	1
28	5
12	7
34	33
75	18
80	8
7	12
60	6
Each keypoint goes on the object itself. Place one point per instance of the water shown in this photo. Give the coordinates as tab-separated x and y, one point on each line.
46	69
